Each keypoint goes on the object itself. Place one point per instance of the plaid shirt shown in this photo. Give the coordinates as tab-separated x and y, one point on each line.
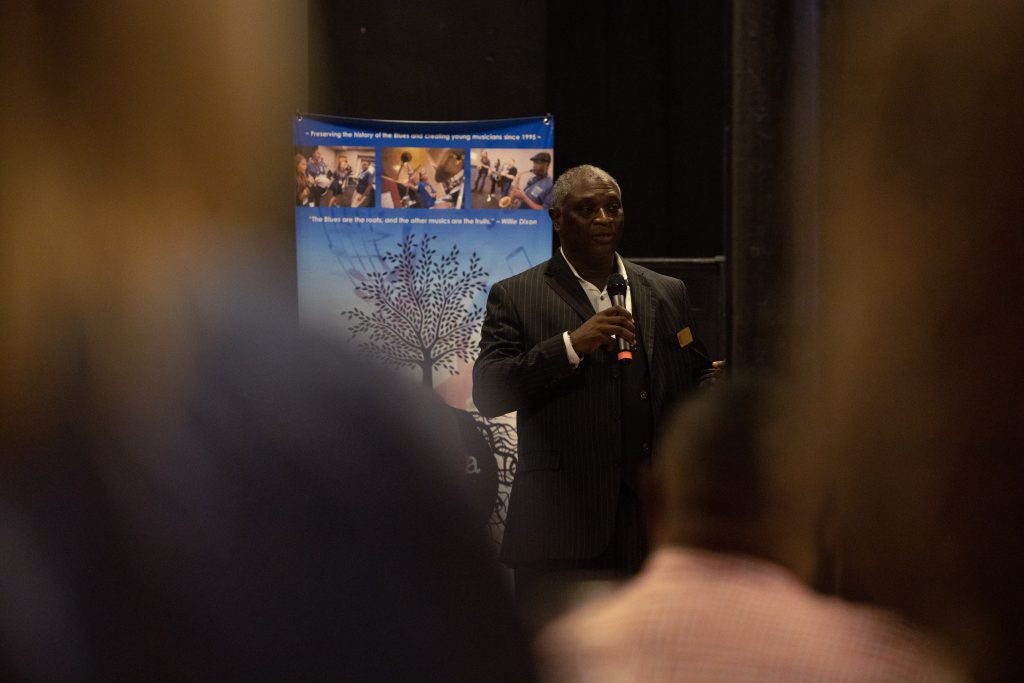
693	615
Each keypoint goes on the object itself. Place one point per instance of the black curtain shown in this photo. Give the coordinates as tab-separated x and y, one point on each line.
639	89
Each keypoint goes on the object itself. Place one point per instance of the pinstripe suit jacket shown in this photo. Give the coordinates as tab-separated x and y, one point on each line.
570	445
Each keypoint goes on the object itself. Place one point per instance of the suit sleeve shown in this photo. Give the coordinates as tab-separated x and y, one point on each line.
701	360
507	375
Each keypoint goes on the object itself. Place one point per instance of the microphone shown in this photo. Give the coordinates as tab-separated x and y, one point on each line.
617	293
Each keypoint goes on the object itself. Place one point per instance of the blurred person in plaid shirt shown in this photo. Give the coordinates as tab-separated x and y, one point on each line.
723	596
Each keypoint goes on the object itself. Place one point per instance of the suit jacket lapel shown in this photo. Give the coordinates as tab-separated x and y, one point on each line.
644	307
560	278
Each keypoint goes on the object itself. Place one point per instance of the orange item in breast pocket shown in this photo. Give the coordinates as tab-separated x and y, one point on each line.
684	336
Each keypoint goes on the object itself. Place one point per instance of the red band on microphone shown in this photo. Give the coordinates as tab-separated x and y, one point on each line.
625	356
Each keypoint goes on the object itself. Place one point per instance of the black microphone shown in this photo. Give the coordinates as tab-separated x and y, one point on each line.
617	293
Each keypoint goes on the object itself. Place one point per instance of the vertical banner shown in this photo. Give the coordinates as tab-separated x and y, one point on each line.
401	227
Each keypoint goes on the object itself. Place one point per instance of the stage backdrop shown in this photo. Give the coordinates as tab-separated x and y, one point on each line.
401	227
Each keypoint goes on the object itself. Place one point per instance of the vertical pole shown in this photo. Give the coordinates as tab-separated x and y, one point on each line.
761	235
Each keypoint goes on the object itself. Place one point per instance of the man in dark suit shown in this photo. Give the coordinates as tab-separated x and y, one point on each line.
585	422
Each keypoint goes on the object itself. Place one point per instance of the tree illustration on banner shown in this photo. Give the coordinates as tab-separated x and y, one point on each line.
422	316
500	434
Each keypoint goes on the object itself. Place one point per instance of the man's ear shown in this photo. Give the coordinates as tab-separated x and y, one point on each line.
554	213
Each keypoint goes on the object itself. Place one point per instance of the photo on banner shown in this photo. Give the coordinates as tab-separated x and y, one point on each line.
397	248
512	178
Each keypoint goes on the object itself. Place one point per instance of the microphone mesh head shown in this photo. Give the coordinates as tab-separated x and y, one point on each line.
616	284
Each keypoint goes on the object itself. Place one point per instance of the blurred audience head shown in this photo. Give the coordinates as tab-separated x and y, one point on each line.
122	111
919	370
190	486
719	484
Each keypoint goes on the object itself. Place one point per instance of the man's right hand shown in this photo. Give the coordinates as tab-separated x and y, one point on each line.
598	331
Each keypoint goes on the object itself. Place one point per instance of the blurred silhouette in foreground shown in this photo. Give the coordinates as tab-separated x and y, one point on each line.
918	404
722	598
191	487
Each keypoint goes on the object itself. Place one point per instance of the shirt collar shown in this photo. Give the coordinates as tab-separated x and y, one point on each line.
618	263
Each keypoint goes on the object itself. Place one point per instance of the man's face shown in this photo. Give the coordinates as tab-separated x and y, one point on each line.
316	155
589	226
540	168
364	164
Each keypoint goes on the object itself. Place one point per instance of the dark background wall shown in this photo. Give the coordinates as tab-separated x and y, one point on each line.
640	89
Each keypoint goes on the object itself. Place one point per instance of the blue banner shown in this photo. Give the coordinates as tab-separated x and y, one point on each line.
401	227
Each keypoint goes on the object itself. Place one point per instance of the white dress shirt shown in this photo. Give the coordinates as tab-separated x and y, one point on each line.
599	299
